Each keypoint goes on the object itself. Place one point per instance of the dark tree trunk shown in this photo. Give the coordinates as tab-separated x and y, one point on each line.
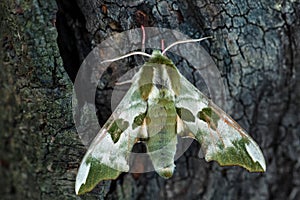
256	49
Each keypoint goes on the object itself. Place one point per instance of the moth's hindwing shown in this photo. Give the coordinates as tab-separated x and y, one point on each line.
222	139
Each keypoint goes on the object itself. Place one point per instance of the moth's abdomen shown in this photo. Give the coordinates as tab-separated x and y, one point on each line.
162	140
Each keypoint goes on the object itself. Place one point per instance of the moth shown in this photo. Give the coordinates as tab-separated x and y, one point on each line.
160	105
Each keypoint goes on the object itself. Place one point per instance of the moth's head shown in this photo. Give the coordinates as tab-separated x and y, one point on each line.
156	53
158	58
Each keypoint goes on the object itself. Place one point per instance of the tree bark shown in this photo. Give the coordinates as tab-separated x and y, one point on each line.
39	146
255	47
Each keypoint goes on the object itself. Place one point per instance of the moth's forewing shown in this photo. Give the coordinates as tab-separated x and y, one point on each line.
109	152
222	139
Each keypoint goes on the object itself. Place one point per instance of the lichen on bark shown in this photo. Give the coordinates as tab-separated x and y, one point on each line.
39	145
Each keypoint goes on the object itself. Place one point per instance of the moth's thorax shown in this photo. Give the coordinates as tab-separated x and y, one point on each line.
161	94
156	74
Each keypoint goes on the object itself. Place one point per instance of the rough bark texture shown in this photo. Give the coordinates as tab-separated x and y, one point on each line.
255	46
39	145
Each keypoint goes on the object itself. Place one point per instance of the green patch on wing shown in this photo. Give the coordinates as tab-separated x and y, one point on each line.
138	120
209	116
145	90
185	114
98	172
237	155
116	129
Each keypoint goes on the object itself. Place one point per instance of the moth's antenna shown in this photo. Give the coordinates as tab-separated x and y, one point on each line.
184	41
127	55
144	38
133	53
162	45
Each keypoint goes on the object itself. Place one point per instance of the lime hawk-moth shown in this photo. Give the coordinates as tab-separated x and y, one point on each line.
160	105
